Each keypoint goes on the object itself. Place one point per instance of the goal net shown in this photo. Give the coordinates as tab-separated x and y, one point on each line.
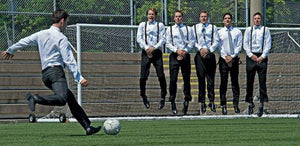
110	60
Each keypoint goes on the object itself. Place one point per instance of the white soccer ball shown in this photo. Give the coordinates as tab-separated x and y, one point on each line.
111	126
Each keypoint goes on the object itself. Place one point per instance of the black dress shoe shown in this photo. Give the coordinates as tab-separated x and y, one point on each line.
250	108
174	110
161	104
146	102
260	110
31	101
92	130
185	107
203	108
236	109
224	110
212	106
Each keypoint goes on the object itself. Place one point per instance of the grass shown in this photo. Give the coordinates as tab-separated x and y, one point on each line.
252	131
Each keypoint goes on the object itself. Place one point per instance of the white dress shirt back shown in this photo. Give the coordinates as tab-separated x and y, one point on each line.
53	47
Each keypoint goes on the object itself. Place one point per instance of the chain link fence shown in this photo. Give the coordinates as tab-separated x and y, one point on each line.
20	18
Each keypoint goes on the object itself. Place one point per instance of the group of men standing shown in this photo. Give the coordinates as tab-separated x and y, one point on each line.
206	38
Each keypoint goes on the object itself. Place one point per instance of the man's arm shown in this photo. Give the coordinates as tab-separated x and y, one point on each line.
140	36
169	43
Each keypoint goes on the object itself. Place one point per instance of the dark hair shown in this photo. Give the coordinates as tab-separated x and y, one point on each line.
203	11
58	15
178	11
227	14
257	13
152	9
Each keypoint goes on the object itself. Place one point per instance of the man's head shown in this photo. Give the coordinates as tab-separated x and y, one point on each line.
178	17
257	18
60	19
203	17
151	14
227	19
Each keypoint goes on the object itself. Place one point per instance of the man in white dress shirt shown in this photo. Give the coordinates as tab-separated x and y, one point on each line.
179	41
257	44
207	40
55	53
151	38
231	40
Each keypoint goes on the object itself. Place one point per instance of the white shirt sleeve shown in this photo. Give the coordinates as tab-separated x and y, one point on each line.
215	40
162	39
247	42
140	37
238	45
169	43
69	60
27	41
267	43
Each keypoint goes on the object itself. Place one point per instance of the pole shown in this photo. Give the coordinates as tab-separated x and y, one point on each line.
236	13
255	6
78	39
265	13
247	13
131	30
54	5
166	12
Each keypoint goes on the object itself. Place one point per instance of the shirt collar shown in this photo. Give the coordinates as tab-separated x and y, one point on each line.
180	25
151	22
55	28
205	25
230	28
257	27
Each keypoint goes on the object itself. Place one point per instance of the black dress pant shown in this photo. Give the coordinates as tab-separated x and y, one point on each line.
261	68
157	62
234	75
206	68
54	79
185	65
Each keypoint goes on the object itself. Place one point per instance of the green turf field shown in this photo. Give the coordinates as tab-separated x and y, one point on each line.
252	131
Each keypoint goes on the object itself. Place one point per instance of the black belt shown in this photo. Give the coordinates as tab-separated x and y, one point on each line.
48	67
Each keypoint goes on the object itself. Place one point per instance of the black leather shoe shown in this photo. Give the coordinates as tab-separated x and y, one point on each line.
260	110
203	108
174	110
146	102
161	104
212	106
224	110
185	107
31	102
250	108
236	109
92	130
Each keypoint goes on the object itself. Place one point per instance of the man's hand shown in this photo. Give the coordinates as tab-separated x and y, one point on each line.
260	59
228	60
181	54
149	52
254	58
203	52
84	82
6	55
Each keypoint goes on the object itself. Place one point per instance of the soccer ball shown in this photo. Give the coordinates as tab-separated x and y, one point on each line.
111	126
